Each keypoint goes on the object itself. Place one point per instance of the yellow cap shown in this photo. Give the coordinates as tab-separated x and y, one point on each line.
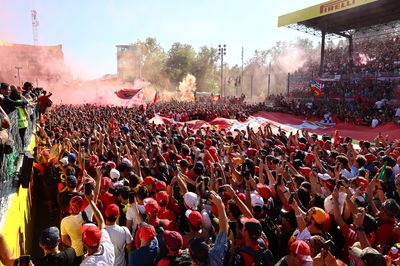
318	215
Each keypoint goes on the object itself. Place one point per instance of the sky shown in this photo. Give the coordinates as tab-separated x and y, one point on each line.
90	29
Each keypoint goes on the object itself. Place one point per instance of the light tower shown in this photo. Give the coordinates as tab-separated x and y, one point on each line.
35	24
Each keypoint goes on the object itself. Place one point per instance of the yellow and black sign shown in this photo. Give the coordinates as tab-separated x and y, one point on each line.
320	10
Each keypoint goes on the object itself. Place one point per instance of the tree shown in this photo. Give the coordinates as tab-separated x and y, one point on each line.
152	57
180	61
205	69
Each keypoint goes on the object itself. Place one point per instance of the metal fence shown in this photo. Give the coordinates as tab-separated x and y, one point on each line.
8	179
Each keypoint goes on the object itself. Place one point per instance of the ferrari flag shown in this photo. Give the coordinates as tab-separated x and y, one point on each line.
127	94
317	88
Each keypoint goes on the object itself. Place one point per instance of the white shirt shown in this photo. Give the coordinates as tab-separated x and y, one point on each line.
105	257
71	226
120	237
303	235
397	112
374	123
130	215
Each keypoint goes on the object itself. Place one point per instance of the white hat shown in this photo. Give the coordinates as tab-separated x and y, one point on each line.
127	162
64	161
191	200
114	174
256	200
324	176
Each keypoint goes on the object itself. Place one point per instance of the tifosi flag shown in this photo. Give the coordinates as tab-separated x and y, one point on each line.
127	94
156	96
317	88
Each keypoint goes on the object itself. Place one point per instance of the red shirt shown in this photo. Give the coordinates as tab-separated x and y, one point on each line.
384	233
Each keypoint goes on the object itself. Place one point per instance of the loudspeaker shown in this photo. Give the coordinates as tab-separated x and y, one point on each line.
26	169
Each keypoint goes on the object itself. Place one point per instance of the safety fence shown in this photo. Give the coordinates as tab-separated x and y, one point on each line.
9	153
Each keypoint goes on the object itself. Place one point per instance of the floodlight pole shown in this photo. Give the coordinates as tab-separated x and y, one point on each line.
321	65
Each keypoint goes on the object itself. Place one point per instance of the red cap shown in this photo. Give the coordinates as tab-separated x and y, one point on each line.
302	250
264	191
147	232
194	217
306	171
251	152
310	156
112	164
112	210
93	159
208	142
105	182
162	197
173	239
242	197
370	157
46	154
197	140
361	180
75	205
151	206
148	180
302	146
160	185
91	235
292	148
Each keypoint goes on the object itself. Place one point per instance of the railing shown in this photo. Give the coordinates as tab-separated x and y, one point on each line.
8	180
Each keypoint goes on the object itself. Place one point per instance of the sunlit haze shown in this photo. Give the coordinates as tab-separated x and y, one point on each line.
89	30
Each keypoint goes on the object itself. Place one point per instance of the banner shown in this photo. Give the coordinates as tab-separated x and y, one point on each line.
317	88
127	94
215	98
156	96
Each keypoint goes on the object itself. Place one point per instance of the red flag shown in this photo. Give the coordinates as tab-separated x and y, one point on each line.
156	97
127	94
336	138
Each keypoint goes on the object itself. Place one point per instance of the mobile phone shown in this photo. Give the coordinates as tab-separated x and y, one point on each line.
291	198
88	189
328	245
131	197
279	180
24	260
206	194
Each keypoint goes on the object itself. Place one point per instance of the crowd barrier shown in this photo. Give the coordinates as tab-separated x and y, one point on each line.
15	203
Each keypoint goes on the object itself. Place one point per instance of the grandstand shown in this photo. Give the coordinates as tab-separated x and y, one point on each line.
345	18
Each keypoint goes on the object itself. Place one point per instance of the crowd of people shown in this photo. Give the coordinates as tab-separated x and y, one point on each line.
370	56
129	192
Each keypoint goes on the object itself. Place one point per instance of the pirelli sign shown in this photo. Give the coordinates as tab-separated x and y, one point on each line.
323	9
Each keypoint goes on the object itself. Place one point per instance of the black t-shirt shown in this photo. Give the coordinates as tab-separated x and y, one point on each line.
63	258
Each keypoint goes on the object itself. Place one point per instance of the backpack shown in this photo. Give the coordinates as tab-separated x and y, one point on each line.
262	257
162	248
182	260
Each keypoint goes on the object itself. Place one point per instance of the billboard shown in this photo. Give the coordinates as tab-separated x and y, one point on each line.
320	10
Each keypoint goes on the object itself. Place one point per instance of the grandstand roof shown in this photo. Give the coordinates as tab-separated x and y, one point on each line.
340	16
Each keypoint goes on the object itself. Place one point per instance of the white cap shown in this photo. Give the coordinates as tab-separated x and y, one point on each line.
127	162
191	200
64	161
256	200
114	174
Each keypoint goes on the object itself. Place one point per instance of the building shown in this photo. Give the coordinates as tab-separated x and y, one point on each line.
128	62
38	64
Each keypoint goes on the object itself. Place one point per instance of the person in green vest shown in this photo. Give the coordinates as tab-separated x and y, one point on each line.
22	115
